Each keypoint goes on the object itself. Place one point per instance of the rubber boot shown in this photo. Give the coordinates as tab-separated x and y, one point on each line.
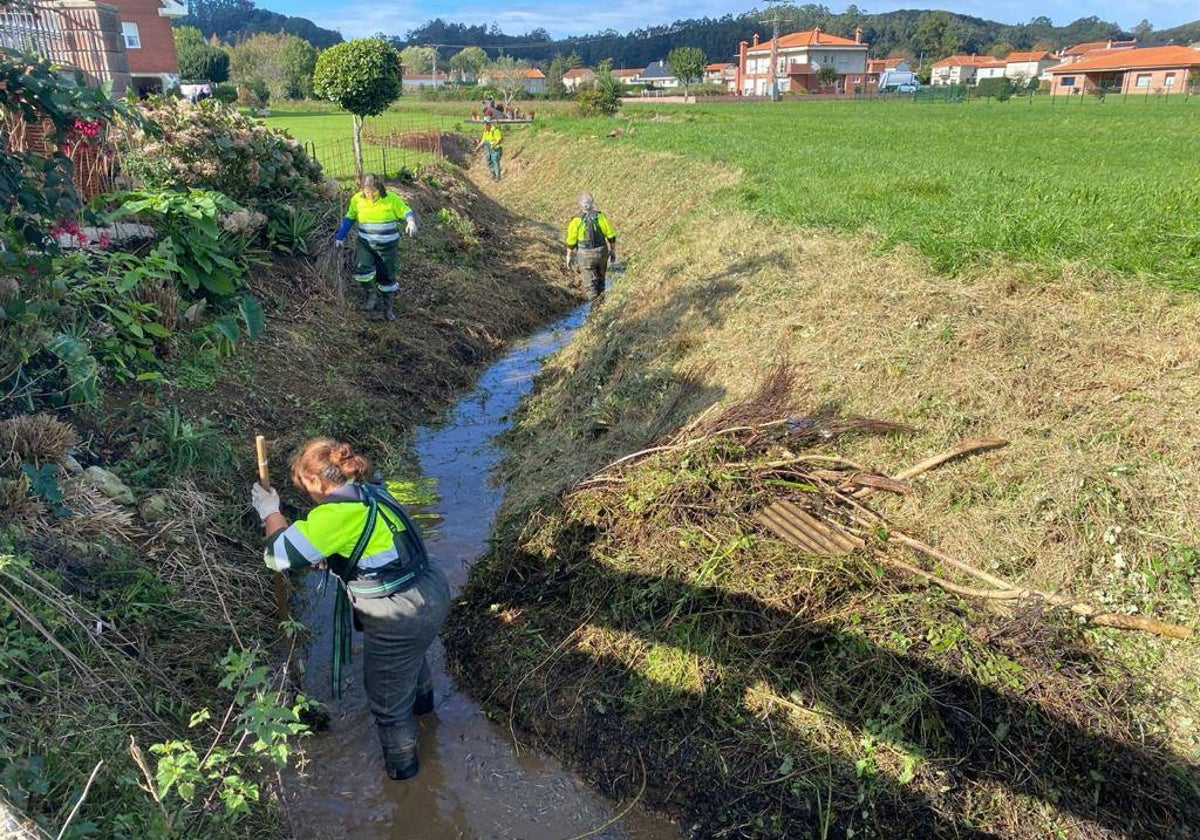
388	305
399	761
424	702
369	304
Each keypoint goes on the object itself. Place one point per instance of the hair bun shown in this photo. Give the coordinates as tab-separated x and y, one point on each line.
340	454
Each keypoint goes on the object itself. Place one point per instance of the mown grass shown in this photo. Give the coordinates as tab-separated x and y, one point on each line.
326	130
1115	186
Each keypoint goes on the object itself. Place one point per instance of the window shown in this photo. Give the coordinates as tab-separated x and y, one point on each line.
1142	80
133	41
1169	80
1068	81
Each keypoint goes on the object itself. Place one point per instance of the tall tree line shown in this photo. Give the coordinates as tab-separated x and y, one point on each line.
911	33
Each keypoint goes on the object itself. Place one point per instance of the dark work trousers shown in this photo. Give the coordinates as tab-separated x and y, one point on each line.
593	266
397	633
493	158
377	262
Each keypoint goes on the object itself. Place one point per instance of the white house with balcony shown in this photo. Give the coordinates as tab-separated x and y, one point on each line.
799	56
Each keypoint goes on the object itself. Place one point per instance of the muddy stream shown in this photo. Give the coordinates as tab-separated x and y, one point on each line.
476	781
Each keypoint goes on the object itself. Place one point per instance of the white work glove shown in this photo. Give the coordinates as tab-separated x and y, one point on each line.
411	227
265	500
339	243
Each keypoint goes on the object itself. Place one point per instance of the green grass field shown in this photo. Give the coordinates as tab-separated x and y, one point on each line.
1112	186
1116	186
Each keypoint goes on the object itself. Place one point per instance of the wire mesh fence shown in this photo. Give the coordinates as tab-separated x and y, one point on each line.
392	145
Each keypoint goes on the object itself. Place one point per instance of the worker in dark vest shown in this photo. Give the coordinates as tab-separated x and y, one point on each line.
378	214
492	140
592	243
386	585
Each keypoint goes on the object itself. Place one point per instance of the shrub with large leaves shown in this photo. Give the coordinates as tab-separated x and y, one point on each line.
210	146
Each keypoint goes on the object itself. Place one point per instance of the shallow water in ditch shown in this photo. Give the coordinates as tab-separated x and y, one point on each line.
476	781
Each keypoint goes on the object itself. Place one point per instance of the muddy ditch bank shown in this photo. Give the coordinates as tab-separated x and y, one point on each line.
646	619
146	594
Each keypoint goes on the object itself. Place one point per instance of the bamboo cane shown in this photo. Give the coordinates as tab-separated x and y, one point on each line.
264	478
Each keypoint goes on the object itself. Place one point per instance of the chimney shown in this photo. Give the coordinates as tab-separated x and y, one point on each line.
858	34
755	44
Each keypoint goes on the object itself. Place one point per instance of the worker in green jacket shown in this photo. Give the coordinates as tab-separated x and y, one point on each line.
493	141
387	586
592	244
378	214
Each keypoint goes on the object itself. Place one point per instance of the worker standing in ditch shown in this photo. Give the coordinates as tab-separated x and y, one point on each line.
378	214
592	243
492	140
388	587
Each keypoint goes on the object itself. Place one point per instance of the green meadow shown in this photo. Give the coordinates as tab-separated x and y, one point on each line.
1112	186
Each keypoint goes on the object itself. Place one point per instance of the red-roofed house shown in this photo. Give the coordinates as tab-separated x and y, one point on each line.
876	68
1078	51
578	77
956	70
993	69
722	73
532	80
535	80
799	56
626	76
1023	66
426	80
1147	70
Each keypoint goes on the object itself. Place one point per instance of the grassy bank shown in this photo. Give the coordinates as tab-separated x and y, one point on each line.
646	626
1111	186
123	621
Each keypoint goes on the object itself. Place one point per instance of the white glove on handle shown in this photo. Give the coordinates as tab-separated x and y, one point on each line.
411	227
339	243
265	501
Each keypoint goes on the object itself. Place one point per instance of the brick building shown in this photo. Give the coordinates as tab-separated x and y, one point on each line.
149	44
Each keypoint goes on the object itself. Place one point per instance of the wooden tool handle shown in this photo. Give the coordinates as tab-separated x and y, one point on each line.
260	447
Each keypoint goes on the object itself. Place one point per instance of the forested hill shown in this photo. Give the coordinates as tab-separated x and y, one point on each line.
236	20
911	33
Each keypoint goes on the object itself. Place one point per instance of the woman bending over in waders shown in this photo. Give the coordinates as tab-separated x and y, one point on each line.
397	598
378	214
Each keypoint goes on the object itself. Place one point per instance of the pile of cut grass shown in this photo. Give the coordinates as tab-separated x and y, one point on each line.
650	623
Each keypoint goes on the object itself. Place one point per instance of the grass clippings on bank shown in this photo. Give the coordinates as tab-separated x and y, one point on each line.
650	622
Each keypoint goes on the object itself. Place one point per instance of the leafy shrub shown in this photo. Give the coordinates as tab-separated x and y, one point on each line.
225	93
254	92
210	146
290	228
1000	89
207	233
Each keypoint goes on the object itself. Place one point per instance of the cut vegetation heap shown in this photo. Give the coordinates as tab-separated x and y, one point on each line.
646	610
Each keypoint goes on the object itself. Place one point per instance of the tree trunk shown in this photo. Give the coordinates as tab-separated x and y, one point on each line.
358	157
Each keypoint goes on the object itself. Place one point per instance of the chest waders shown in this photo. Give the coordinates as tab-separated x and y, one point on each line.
410	548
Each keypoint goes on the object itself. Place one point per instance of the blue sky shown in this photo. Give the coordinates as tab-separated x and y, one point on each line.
358	18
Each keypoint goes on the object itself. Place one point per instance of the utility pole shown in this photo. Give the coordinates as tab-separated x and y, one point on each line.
774	21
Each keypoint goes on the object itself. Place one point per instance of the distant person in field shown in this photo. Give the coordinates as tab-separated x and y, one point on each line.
492	140
388	588
592	243
378	214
